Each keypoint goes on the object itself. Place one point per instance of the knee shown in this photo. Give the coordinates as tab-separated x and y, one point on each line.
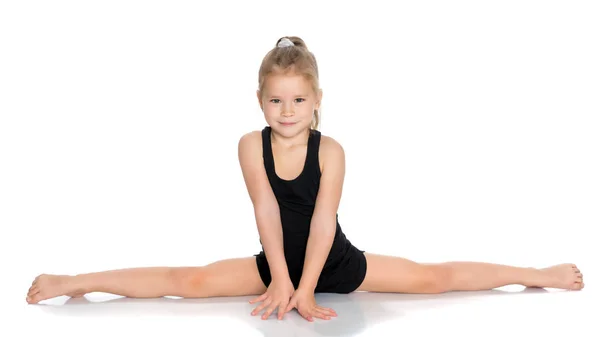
187	280
437	278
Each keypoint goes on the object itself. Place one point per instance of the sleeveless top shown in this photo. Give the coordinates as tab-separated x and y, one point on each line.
297	199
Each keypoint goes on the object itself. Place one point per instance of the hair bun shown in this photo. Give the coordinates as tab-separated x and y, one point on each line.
285	42
289	41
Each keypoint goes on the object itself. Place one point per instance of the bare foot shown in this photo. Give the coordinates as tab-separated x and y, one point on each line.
562	276
49	286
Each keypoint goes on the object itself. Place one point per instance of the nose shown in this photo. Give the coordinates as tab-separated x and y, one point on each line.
288	109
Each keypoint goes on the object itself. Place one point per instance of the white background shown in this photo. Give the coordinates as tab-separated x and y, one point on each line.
471	132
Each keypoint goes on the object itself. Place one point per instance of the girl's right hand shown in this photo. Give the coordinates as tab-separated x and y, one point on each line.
278	295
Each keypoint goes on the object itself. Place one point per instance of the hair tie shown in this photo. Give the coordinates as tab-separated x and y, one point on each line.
285	42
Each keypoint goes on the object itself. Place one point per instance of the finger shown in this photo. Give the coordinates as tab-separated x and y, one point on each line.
269	310
261	306
307	316
259	298
281	310
290	306
328	310
325	312
319	314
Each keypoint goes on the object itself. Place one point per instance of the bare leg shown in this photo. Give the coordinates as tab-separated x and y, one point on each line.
483	276
396	274
231	277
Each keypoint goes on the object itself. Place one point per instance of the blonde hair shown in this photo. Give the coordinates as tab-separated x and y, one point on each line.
290	55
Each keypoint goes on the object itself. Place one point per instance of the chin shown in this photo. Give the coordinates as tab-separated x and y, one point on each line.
291	129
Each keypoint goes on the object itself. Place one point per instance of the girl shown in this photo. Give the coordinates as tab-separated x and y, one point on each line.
294	176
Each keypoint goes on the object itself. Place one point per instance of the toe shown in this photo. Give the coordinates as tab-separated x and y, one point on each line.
34	289
32	299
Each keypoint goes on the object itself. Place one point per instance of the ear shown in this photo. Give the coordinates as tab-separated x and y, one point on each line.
319	98
258	95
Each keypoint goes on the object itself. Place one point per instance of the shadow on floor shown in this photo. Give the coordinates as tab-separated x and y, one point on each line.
356	311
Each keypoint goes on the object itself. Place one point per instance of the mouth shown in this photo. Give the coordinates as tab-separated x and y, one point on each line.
287	123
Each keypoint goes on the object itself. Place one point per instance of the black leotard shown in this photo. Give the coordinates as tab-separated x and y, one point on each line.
346	266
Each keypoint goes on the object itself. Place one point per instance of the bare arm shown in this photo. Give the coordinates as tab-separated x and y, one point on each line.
323	222
266	209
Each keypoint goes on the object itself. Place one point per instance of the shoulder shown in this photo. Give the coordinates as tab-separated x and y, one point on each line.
250	139
250	145
331	153
330	146
251	136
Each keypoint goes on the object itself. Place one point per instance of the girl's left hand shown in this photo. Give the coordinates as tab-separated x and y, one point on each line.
304	301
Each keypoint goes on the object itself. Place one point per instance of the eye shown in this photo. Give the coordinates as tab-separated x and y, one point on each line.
301	99
275	99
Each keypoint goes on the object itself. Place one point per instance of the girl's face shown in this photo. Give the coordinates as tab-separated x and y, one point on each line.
288	102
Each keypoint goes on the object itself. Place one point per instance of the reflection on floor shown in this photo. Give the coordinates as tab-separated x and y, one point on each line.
359	314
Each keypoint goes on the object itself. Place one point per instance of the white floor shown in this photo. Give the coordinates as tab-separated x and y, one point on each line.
470	131
510	311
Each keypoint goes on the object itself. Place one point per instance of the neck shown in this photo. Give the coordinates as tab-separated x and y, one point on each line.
300	138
